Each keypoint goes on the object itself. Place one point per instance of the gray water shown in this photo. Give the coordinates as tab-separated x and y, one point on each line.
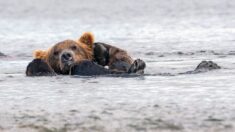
171	36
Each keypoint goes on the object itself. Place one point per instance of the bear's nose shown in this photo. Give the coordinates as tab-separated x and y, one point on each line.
67	56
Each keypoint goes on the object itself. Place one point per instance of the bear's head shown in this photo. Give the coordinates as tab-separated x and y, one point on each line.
64	54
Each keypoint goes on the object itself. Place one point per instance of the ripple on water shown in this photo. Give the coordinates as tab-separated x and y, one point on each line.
196	53
2	55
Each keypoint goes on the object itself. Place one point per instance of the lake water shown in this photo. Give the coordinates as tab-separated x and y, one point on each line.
171	36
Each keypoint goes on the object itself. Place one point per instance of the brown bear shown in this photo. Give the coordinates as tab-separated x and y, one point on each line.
77	58
63	54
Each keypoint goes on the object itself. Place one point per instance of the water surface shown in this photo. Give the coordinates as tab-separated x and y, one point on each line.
171	36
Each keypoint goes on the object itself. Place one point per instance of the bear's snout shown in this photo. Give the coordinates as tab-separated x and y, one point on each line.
66	56
66	60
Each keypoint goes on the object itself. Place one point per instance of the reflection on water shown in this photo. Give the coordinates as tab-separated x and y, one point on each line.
171	36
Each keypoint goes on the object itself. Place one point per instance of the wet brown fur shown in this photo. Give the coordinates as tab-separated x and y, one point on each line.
116	54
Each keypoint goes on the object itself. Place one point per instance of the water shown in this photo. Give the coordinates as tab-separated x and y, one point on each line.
171	36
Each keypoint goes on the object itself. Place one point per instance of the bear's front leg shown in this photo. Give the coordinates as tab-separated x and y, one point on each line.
89	68
39	67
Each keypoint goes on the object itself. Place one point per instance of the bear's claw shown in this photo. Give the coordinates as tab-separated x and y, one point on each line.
137	66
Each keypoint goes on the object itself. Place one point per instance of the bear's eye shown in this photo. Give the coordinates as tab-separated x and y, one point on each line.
74	47
56	53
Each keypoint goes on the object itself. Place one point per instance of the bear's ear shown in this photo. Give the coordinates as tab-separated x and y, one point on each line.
87	38
40	54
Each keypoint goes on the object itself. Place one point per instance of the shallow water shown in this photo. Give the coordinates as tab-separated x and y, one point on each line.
171	36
